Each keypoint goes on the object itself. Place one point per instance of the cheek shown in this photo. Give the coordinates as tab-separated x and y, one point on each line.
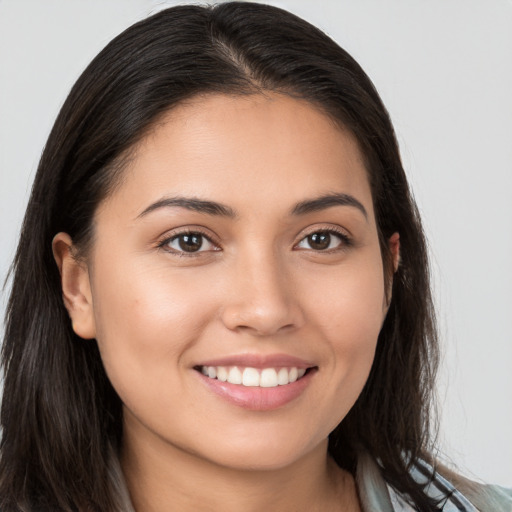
347	310
348	302
139	296
146	318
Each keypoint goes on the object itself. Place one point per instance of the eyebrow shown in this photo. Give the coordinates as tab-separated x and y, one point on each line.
191	203
327	201
218	209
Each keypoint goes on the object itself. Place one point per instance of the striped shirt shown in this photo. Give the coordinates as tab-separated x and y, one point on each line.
378	496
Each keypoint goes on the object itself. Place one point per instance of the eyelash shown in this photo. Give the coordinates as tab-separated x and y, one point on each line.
191	232
345	241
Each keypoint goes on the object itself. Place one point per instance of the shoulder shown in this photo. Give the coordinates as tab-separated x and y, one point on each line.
453	492
490	498
458	493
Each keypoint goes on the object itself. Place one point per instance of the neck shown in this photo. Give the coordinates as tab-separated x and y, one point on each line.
163	477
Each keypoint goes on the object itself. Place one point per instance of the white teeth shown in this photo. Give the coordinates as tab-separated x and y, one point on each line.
222	373
252	377
268	378
282	377
235	376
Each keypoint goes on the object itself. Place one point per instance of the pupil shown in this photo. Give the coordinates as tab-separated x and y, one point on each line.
190	243
319	241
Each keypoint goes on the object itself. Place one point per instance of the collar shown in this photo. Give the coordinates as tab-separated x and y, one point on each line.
378	496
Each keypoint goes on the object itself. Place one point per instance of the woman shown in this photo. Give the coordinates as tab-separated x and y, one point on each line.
221	295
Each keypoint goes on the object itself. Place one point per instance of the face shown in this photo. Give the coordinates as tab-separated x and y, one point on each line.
235	286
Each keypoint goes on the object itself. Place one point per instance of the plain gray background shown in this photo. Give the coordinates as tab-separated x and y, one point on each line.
444	70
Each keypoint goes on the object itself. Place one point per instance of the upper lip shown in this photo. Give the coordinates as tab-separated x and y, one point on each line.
259	361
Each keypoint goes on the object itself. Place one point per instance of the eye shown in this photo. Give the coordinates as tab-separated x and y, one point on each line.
190	242
323	241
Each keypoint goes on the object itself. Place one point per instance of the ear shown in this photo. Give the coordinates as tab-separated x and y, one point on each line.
76	286
394	247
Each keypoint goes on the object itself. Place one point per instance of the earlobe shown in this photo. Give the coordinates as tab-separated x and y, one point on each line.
76	287
394	247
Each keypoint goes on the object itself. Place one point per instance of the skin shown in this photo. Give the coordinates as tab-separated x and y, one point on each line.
258	288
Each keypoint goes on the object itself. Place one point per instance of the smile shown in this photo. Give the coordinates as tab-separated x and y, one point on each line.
254	377
258	387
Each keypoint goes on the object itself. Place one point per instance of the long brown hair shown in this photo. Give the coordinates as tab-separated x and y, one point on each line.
61	418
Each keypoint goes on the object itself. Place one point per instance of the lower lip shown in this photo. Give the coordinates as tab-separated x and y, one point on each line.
257	398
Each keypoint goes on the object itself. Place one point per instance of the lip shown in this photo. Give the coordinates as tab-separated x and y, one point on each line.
258	398
259	361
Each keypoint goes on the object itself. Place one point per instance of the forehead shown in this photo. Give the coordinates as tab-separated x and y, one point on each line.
254	151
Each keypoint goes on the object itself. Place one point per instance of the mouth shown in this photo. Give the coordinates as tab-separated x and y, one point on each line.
254	377
257	383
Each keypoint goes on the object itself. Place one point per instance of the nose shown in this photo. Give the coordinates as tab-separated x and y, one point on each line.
262	298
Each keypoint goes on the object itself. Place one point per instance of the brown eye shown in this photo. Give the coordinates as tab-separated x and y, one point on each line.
323	240
319	241
189	243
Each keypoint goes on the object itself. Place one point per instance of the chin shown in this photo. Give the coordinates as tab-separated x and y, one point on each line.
263	454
